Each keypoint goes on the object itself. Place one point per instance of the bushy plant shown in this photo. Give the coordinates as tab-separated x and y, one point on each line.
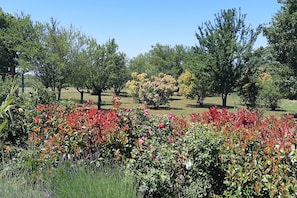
157	90
173	159
259	153
134	84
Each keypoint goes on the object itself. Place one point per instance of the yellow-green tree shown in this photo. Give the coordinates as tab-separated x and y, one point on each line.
186	83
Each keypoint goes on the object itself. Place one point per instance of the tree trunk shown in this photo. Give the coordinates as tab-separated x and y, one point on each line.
117	92
59	93
224	100
200	101
99	99
81	95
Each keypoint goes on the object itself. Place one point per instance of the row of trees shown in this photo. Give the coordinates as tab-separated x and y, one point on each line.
222	61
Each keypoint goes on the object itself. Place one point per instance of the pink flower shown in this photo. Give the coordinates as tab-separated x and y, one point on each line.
153	156
170	116
128	110
170	140
141	141
146	112
161	125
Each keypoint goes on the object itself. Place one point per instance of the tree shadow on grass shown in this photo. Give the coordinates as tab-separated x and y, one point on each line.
166	108
207	106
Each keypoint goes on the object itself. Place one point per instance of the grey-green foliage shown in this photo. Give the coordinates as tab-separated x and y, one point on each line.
70	180
226	42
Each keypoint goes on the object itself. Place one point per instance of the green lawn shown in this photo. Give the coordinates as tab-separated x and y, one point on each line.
179	105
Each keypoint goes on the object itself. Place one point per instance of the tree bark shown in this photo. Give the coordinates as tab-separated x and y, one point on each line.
224	100
59	93
99	91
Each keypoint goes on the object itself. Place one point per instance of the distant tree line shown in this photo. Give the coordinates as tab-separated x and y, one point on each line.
222	62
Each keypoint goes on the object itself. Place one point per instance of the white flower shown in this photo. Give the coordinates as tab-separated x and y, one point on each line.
189	165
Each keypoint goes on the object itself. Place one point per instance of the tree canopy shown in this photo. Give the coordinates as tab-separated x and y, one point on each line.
226	43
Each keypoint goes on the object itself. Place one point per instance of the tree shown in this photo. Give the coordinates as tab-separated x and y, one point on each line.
119	75
52	64
281	34
79	64
226	42
186	83
103	61
140	64
202	80
7	54
168	60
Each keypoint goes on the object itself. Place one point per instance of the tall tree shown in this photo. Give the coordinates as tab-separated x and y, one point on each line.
281	34
226	42
53	63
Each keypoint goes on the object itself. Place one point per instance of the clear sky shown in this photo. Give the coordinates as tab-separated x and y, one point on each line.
136	25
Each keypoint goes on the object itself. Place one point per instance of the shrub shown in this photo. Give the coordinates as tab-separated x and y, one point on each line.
172	159
134	84
157	90
259	153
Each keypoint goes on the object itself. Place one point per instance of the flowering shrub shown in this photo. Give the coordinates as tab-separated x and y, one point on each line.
134	84
157	90
259	154
74	133
173	159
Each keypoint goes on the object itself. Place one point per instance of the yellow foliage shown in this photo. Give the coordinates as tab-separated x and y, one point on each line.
186	83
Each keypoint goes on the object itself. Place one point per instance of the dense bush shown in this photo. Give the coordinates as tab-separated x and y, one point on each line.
157	90
173	159
134	84
259	153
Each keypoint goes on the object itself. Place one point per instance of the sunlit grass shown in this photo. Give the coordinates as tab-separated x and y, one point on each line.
84	181
179	105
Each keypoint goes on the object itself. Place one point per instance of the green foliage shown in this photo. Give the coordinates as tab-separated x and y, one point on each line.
281	33
106	64
269	94
168	60
258	154
157	90
172	160
225	43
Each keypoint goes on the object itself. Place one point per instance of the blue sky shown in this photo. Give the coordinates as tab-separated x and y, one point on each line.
136	25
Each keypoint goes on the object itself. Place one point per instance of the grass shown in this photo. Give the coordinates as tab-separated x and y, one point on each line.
83	181
72	181
179	105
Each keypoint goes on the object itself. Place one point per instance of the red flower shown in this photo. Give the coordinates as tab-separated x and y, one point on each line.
161	125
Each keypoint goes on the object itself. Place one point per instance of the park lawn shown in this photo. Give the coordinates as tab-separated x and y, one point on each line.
179	105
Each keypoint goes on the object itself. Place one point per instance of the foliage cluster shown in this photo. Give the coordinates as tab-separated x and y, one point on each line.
153	91
259	155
